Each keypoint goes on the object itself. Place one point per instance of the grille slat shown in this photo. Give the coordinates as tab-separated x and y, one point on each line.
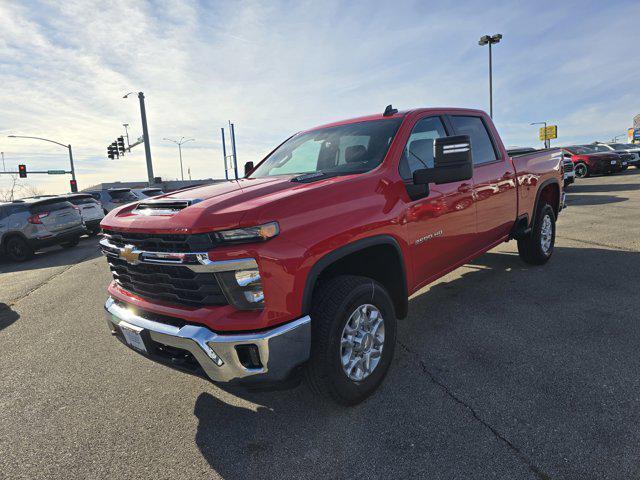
169	283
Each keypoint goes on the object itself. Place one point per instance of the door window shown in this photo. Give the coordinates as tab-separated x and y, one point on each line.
481	146
418	153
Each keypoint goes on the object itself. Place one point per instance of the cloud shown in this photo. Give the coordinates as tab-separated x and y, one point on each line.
277	67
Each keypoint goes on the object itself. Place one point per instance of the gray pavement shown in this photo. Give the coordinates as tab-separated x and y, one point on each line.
503	371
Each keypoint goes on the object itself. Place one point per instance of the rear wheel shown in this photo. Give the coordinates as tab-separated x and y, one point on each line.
537	247
353	338
71	243
582	170
18	249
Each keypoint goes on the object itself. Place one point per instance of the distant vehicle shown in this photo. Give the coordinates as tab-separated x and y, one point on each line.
588	161
32	224
143	193
602	148
90	209
624	148
112	198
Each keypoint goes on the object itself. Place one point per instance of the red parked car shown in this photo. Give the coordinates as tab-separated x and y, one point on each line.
305	265
588	161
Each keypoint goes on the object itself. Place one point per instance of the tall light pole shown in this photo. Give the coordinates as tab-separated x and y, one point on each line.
490	40
179	143
4	168
145	134
68	147
546	142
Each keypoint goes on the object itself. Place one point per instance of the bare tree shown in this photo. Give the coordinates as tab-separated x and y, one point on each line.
9	194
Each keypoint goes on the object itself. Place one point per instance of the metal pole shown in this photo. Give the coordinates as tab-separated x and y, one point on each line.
180	152
145	133
4	168
224	155
73	170
490	83
233	148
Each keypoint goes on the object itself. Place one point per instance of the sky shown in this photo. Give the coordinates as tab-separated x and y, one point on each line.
274	68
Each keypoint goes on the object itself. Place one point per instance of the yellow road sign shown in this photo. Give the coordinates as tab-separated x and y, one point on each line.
550	132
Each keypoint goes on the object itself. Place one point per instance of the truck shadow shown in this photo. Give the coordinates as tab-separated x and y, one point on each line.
54	257
573	199
592	187
7	316
487	342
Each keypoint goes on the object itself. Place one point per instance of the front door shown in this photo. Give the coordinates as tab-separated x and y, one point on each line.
441	223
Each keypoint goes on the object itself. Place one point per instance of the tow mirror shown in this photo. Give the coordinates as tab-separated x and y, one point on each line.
452	162
248	167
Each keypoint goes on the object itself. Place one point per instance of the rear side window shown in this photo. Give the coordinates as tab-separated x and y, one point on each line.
49	207
481	145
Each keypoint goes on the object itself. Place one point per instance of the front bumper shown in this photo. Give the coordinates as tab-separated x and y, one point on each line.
198	350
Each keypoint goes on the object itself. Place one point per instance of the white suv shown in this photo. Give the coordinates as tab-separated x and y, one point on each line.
90	209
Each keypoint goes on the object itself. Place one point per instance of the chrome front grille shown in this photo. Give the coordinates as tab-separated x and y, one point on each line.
177	243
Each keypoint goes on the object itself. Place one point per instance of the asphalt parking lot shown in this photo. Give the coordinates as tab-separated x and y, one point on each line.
503	371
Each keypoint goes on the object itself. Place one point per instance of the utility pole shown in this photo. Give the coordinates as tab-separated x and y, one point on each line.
547	143
145	135
68	147
490	40
224	154
233	148
4	168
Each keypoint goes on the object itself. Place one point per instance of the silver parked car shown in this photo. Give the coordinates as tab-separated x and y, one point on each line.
90	210
31	224
113	198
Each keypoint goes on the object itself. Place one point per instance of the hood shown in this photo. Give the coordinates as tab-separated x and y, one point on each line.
218	206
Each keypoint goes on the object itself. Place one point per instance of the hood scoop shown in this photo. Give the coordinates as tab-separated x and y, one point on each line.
162	206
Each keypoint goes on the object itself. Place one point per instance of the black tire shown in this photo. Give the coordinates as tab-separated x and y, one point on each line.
94	232
18	250
333	304
582	170
530	247
71	244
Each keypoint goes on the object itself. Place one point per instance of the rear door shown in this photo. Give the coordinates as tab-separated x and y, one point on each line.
56	215
494	179
440	222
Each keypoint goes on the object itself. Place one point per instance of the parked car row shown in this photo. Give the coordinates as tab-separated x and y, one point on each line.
602	158
116	197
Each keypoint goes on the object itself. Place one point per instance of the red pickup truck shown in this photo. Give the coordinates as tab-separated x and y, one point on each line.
302	267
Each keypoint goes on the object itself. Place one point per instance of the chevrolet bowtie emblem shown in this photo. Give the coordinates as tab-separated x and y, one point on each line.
130	255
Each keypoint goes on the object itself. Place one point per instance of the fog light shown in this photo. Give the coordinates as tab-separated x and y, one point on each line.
254	296
247	277
242	288
213	355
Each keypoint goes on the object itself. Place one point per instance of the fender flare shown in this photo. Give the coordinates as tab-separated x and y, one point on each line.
543	185
353	247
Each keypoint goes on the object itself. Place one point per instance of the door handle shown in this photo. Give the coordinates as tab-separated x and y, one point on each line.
464	188
507	176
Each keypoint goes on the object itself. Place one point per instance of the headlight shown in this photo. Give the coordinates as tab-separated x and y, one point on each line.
259	233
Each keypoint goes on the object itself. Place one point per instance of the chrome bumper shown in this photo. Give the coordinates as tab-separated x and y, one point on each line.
281	349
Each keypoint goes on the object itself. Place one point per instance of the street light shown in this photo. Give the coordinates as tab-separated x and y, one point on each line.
490	40
179	143
145	134
546	145
68	147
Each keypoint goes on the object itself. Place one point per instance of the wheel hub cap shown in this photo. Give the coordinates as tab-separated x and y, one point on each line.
362	342
546	234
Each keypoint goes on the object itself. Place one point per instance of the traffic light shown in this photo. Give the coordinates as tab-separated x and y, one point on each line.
74	186
22	170
110	153
114	146
120	142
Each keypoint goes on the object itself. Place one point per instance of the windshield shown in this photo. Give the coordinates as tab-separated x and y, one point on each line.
580	150
618	146
343	149
600	148
122	195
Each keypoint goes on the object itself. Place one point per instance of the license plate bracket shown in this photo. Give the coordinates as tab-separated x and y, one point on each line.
133	336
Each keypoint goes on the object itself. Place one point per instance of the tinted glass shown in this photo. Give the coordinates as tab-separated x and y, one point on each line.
418	153
618	146
83	201
600	148
49	207
123	195
580	150
343	149
481	146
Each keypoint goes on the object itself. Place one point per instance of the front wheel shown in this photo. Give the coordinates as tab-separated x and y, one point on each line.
353	328
582	170
536	247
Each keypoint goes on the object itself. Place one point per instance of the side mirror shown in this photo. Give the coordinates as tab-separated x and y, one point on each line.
452	162
248	167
